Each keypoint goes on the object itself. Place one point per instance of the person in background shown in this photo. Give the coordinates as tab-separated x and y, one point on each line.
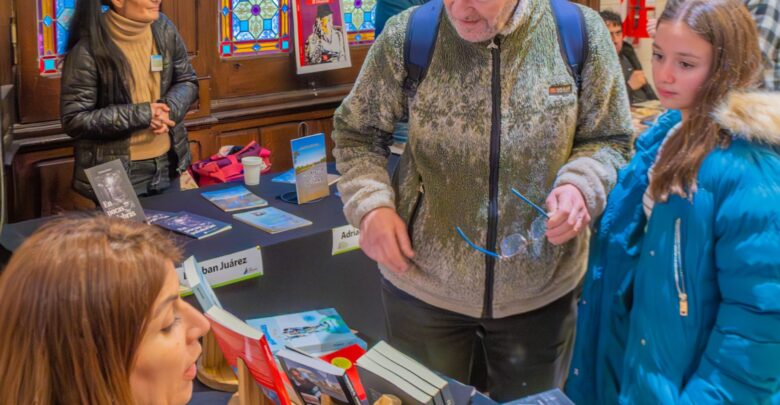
499	109
639	89
90	313
766	14
126	85
681	303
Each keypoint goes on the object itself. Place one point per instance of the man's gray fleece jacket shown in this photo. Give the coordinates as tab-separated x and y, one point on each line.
542	136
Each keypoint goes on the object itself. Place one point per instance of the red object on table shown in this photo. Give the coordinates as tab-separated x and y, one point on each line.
351	353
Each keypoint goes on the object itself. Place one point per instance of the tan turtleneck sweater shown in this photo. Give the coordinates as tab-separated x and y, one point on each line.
135	41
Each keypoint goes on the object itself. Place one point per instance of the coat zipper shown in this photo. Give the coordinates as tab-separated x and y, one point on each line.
495	150
679	275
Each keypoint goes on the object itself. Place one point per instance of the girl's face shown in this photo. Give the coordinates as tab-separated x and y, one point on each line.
164	365
681	64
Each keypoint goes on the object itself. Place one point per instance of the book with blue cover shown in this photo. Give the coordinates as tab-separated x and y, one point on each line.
314	332
272	220
194	226
153	216
234	199
311	168
288	177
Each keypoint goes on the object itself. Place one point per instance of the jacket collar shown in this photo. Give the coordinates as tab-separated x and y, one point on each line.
753	116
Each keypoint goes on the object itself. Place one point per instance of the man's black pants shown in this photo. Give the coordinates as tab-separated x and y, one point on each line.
525	354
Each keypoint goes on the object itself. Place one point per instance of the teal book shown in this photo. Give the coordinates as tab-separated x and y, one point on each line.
312	332
234	199
272	220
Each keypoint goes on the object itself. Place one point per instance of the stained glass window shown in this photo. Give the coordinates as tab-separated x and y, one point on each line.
254	27
359	17
53	27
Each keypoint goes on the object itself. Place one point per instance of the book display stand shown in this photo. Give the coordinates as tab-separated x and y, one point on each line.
213	370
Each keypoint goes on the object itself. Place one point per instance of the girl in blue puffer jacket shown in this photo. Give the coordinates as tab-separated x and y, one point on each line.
681	302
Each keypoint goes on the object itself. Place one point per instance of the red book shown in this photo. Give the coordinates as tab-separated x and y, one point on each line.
346	358
239	340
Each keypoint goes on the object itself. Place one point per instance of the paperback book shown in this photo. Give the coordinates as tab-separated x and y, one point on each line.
313	332
272	220
288	177
234	199
313	379
194	226
237	340
114	191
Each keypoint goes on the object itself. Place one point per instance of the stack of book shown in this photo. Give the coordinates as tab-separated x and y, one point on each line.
385	370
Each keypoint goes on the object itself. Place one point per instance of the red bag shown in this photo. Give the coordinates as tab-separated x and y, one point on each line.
222	169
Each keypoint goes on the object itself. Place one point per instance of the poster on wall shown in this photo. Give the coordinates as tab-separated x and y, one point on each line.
321	41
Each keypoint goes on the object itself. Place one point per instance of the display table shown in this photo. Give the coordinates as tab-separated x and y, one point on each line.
299	271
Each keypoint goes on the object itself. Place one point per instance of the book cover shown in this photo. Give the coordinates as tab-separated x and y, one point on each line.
346	358
194	226
193	274
114	191
272	220
312	378
236	339
313	332
288	177
153	216
311	167
234	199
379	381
320	35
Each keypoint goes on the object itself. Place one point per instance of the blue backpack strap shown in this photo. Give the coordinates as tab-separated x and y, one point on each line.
420	40
572	36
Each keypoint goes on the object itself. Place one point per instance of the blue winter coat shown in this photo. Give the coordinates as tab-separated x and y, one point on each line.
633	345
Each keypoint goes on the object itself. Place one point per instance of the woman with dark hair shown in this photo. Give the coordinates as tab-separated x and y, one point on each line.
681	302
90	313
126	85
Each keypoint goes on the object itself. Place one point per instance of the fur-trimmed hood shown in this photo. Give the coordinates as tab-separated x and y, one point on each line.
754	116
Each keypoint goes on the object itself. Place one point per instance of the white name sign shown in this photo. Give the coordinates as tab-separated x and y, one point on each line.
345	239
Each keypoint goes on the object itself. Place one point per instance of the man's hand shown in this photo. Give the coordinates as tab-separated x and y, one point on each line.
384	238
161	121
568	214
637	80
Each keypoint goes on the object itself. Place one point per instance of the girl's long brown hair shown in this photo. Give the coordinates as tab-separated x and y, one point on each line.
736	62
74	302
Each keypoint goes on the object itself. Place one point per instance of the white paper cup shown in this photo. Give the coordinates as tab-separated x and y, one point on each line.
252	166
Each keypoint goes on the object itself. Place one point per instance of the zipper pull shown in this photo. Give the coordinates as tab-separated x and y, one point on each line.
493	44
683	304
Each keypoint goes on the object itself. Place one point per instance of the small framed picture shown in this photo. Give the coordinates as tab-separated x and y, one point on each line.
321	41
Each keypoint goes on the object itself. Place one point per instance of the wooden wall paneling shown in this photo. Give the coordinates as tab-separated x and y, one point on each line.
241	137
25	202
6	50
202	144
38	96
185	16
276	138
57	196
594	4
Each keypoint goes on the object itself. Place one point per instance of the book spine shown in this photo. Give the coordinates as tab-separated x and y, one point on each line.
348	388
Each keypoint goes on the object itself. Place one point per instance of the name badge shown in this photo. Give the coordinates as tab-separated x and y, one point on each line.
559	90
157	63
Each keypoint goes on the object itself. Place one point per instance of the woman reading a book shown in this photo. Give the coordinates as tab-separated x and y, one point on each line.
90	314
127	83
681	302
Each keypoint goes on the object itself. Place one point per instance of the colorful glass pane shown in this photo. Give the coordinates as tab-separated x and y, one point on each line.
54	18
359	18
254	27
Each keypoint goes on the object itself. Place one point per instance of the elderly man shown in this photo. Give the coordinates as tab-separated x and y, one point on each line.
461	256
